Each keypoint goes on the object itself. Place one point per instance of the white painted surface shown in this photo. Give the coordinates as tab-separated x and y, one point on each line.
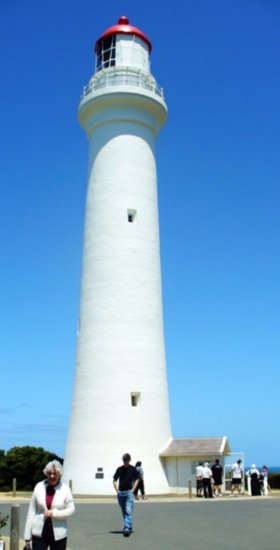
132	51
120	344
179	473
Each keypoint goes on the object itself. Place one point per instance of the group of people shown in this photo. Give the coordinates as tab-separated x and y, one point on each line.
209	480
257	481
52	503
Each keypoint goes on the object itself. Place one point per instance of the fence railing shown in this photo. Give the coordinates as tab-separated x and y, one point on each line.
123	78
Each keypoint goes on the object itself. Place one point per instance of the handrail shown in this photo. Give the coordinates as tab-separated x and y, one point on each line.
122	78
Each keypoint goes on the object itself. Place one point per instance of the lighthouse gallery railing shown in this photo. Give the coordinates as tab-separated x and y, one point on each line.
123	78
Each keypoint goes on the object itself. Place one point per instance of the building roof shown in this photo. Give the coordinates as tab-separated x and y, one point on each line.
123	27
196	447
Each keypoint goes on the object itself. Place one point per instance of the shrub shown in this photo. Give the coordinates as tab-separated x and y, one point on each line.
3	521
274	481
25	464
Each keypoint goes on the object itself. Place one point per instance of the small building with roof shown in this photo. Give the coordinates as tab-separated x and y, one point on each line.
181	456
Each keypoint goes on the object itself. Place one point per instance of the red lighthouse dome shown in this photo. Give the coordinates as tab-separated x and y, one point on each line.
123	27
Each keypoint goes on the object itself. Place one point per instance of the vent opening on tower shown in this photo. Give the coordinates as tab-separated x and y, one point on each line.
135	398
131	214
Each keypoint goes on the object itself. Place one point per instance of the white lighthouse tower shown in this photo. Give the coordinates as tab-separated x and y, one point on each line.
120	399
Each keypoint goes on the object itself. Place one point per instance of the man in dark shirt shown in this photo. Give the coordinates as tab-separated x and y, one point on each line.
125	480
217	472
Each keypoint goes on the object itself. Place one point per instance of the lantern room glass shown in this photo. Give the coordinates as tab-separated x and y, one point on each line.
106	53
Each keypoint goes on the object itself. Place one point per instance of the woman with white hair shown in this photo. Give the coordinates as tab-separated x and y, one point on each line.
50	506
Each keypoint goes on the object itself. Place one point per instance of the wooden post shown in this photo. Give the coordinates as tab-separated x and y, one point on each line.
14	486
15	528
190	488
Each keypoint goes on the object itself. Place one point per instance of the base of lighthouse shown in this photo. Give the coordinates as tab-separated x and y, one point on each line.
100	479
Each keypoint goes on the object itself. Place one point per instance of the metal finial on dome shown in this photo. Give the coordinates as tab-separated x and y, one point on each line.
123	20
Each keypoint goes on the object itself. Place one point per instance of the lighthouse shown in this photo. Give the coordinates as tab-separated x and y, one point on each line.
120	396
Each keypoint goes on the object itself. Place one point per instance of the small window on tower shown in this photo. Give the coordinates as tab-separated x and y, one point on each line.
131	214
99	473
135	398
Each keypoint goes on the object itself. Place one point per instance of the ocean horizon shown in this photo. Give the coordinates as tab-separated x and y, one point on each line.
271	469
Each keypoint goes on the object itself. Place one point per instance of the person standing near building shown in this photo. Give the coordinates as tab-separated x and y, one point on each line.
264	486
140	487
236	477
125	481
254	477
207	481
199	480
217	473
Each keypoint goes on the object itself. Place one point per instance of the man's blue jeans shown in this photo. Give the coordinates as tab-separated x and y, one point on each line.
126	502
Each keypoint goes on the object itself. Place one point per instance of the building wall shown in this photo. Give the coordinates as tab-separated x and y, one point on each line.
178	471
132	51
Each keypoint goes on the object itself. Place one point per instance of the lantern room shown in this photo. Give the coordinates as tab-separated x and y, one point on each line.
123	46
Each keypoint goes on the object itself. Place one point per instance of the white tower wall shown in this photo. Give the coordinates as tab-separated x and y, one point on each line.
138	56
120	401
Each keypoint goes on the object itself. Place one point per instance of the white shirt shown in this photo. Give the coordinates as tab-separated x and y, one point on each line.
206	472
237	471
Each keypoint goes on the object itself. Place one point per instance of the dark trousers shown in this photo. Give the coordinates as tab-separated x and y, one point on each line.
207	488
199	487
38	543
140	487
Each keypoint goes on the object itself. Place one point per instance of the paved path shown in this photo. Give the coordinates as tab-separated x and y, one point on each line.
220	524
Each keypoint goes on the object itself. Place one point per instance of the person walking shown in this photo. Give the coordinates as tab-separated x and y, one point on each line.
51	504
217	473
207	481
125	481
140	487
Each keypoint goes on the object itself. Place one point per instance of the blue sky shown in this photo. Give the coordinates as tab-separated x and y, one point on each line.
219	204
